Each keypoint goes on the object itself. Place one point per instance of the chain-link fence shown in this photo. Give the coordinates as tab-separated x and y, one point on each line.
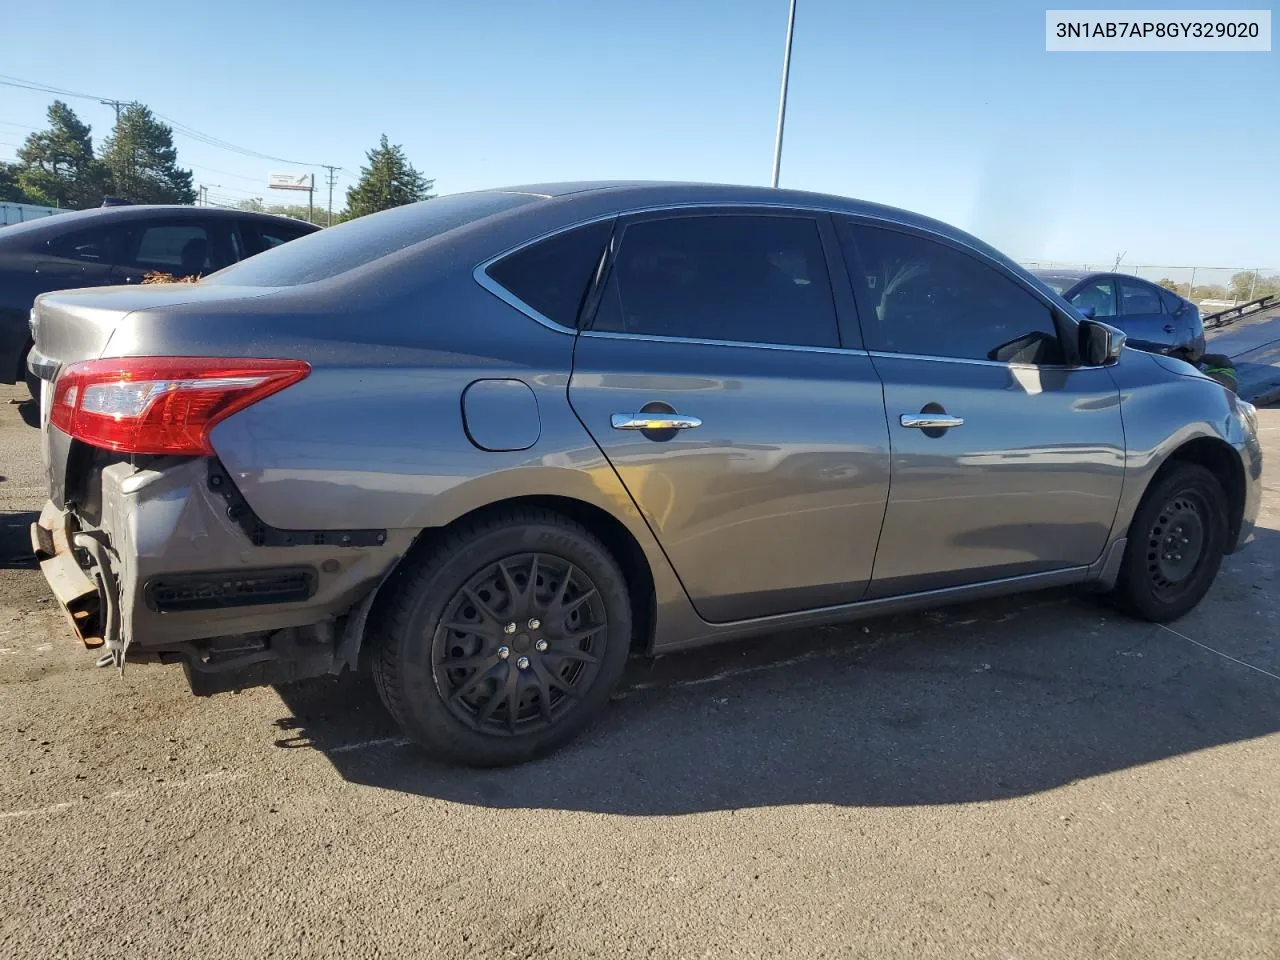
1215	287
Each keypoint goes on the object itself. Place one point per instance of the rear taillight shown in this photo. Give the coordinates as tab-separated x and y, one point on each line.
161	404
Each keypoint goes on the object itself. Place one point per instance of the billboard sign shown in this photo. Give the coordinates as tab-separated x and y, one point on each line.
291	181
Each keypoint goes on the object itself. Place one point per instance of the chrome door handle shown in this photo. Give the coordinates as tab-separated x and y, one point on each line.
654	421
926	421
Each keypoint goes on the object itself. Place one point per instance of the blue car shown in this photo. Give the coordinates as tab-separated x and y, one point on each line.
1154	319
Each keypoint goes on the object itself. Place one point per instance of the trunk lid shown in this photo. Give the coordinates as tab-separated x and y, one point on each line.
69	326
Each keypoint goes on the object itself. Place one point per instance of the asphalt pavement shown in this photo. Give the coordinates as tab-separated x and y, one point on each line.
1253	344
1030	778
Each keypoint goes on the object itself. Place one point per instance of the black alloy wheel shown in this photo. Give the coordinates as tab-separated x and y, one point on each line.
503	638
518	642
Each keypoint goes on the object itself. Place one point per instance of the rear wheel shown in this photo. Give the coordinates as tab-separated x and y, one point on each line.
1176	543
505	640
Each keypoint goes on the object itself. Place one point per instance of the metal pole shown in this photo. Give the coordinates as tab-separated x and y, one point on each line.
311	195
782	97
1192	285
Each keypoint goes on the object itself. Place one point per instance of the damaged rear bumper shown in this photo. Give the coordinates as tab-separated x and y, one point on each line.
165	568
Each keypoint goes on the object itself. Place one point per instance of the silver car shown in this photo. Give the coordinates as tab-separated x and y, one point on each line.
491	444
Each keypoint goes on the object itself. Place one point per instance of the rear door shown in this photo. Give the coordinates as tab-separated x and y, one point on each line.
1143	317
1007	459
751	437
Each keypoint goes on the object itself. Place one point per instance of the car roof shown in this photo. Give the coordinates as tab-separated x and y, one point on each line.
625	195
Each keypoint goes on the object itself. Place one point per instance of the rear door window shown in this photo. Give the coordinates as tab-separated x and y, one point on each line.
1137	298
745	278
552	275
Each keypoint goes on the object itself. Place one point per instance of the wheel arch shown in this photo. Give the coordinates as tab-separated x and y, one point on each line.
1219	458
611	531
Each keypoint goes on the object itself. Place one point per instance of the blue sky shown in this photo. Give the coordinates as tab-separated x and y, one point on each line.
948	108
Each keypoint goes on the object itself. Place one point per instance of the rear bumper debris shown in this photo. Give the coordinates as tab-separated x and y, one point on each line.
81	596
158	571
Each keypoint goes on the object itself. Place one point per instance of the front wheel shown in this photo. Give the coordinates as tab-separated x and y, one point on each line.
505	639
1176	543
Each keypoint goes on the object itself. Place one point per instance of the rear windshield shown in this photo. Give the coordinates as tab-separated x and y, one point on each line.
329	252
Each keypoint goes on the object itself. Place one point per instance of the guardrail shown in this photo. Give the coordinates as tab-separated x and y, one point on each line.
1224	317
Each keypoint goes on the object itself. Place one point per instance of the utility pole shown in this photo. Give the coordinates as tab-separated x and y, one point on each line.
782	97
333	177
115	103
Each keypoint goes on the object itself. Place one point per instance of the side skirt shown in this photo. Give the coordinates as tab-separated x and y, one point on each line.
1102	574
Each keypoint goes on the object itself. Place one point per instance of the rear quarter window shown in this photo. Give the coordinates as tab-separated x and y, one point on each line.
552	275
336	250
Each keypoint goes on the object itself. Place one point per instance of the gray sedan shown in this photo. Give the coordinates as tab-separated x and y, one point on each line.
491	444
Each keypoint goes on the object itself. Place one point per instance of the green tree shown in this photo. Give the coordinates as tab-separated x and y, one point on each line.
1255	283
143	161
389	180
10	188
298	211
57	165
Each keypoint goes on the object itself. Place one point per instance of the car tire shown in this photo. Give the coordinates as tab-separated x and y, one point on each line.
1176	543
482	670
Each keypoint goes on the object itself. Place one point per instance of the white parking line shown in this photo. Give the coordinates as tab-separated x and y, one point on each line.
217	778
1225	656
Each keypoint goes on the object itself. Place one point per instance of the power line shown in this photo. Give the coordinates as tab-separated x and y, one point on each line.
178	127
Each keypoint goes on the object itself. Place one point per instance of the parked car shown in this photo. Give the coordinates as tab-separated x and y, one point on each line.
1153	318
493	443
118	244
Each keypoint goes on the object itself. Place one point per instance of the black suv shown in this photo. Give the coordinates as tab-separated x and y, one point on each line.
118	244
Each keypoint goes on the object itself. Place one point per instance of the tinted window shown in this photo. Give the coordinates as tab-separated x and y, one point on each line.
552	276
327	253
758	279
1172	302
933	300
1099	294
99	245
266	236
87	245
179	248
1136	298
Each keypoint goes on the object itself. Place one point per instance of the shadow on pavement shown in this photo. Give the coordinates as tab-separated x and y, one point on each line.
972	703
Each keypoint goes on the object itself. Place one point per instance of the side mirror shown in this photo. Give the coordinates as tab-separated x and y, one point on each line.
1087	312
1100	343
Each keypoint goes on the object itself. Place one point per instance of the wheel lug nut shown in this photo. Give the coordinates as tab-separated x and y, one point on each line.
535	624
541	646
503	652
523	663
509	628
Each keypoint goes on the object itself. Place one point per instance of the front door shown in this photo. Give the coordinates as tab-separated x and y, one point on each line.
714	379
1007	460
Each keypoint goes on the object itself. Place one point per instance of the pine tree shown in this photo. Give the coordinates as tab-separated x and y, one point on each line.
389	180
57	165
143	161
